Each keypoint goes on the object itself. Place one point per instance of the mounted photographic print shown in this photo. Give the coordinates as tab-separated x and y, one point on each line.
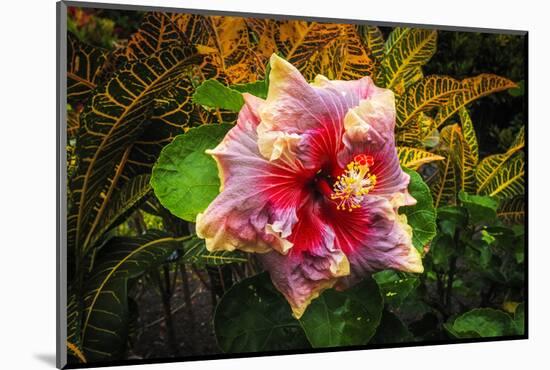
251	184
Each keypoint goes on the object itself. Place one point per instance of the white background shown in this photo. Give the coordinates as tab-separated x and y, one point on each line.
27	209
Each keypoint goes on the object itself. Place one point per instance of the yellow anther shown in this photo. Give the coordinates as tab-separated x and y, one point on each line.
356	182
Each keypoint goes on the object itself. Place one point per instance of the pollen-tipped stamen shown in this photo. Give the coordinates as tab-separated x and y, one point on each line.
356	182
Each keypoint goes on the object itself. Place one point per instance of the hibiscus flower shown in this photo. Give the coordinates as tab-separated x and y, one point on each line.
310	180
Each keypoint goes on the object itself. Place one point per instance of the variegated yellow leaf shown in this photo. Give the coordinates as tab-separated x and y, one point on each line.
443	182
489	168
411	77
410	136
406	50
264	33
155	33
343	58
73	123
192	26
477	87
469	134
512	211
373	40
427	94
509	181
301	42
225	42
413	158
519	141
229	39
453	139
419	133
394	38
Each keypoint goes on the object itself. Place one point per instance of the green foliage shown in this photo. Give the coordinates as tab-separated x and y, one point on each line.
421	216
482	323
394	288
195	252
344	318
392	330
213	94
480	208
105	314
254	316
185	178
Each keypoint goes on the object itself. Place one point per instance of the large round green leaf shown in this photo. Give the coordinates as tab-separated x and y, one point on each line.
253	316
480	207
344	318
185	178
392	330
394	287
421	217
482	322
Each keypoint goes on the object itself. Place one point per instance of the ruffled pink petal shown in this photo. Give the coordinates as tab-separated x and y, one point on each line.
369	129
313	265
373	237
315	112
256	208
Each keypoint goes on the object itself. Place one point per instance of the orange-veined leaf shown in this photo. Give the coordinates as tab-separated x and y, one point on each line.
84	67
512	211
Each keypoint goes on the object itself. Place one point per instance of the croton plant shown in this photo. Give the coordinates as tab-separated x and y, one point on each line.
309	174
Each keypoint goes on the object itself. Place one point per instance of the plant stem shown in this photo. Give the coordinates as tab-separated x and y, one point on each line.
449	293
166	304
188	305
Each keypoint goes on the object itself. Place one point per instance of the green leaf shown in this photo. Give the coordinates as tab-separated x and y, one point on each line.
258	88
395	289
344	318
253	316
482	323
214	94
105	315
421	217
519	318
391	330
195	252
480	208
452	217
519	90
441	249
185	178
